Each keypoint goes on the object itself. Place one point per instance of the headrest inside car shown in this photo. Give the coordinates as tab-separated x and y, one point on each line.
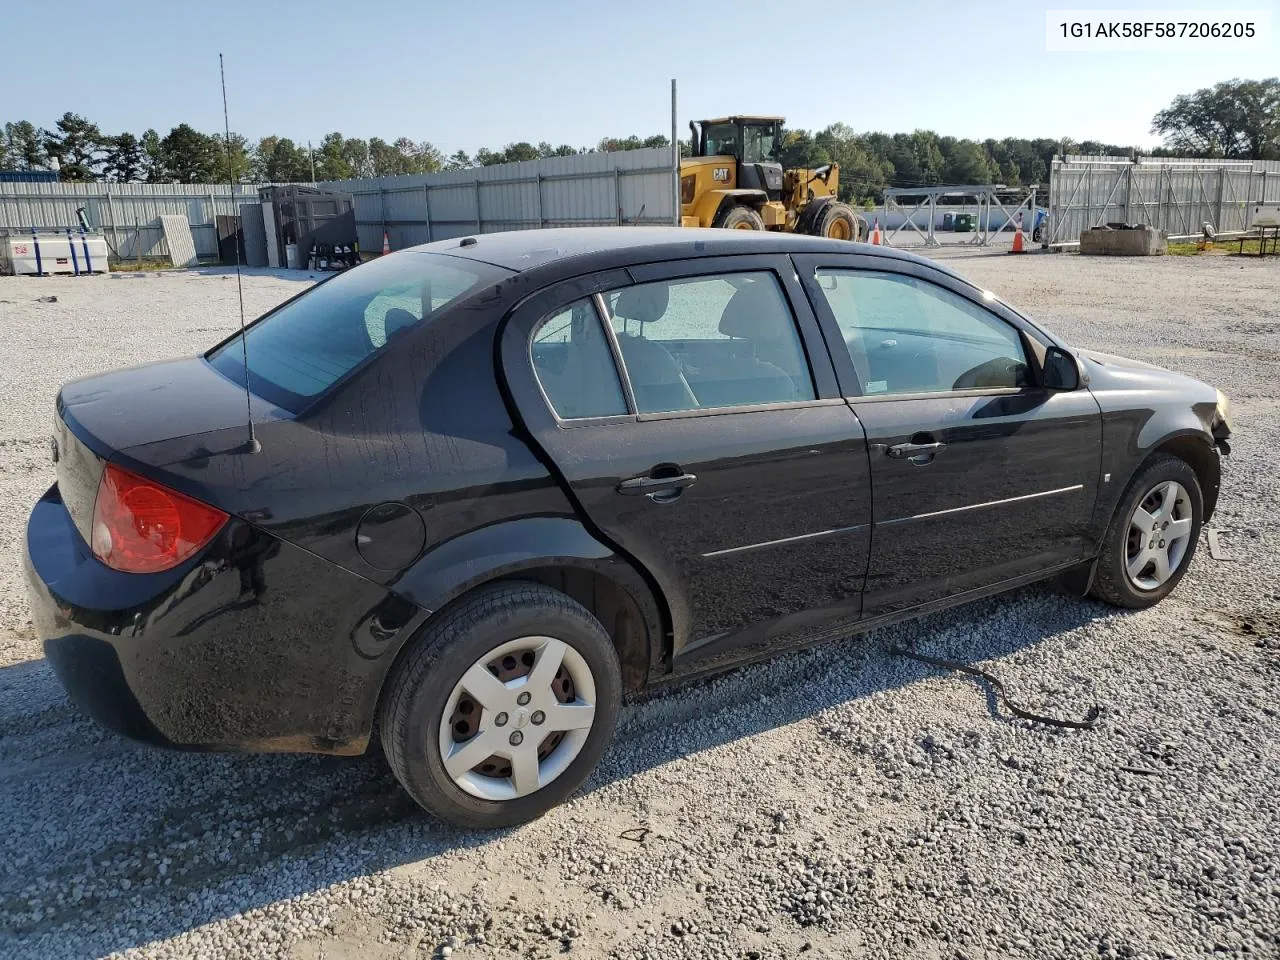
397	319
645	303
753	313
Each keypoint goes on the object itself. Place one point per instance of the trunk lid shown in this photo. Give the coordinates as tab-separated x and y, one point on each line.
102	416
157	401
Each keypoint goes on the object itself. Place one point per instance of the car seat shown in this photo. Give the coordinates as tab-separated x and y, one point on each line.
656	378
756	315
575	380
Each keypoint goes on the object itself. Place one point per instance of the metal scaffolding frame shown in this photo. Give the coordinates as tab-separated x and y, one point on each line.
988	197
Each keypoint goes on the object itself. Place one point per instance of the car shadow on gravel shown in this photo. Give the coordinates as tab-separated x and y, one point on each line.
97	827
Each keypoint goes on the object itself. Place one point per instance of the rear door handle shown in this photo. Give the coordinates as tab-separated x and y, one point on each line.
651	485
915	452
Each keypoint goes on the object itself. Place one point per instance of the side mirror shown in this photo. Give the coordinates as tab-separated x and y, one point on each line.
1061	369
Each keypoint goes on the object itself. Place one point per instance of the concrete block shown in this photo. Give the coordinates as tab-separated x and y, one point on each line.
1130	241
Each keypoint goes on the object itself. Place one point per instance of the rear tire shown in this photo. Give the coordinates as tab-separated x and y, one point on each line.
1152	536
739	218
464	671
838	222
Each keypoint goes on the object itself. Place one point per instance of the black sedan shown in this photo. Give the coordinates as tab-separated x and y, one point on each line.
471	494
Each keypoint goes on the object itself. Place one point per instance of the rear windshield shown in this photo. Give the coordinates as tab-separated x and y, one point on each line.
306	346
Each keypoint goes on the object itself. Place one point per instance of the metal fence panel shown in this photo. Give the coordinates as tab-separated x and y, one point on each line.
1175	195
628	187
126	213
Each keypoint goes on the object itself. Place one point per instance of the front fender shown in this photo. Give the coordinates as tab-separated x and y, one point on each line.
1132	432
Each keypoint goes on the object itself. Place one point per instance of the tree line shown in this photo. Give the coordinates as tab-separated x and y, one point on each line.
1234	119
81	152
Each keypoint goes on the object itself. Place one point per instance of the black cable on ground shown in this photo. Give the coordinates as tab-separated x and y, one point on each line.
1088	723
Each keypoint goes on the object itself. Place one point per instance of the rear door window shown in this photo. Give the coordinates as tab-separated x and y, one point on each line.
705	342
303	348
574	364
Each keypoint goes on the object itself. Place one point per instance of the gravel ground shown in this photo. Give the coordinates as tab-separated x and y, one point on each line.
838	802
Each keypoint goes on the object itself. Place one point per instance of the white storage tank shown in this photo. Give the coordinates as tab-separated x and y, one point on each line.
18	254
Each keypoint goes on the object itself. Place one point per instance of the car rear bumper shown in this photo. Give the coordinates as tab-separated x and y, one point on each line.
253	645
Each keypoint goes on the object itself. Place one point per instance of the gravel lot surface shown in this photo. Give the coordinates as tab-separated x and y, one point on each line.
838	802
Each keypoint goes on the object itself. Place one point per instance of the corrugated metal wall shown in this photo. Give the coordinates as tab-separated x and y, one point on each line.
628	187
127	213
593	189
1177	196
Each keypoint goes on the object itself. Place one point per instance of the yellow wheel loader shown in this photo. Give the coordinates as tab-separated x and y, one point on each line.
734	181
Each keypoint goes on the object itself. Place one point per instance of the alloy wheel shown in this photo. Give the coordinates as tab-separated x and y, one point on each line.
517	718
1159	534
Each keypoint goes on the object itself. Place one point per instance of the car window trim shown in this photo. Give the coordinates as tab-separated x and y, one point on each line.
935	394
602	317
807	267
740	408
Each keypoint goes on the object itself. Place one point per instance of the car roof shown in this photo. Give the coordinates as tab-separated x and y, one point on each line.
600	247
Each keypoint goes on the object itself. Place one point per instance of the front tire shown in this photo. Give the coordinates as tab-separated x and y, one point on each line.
739	218
838	222
1152	536
502	707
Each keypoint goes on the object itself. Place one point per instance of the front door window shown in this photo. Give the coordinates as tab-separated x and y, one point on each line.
906	335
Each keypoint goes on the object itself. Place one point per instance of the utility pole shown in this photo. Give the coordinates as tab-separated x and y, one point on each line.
675	158
313	161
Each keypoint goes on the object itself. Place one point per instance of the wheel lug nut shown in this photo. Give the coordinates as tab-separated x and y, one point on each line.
523	698
500	719
538	716
516	738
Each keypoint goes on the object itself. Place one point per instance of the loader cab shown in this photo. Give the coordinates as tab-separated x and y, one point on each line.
754	142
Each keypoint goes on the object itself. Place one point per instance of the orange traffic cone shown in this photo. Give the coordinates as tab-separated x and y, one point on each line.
875	232
1019	244
386	243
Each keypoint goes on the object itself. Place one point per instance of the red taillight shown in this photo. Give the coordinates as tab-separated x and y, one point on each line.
140	526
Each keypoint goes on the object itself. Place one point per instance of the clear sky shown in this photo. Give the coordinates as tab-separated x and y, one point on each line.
483	73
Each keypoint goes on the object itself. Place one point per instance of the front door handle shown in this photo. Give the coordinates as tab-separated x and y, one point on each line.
662	486
919	453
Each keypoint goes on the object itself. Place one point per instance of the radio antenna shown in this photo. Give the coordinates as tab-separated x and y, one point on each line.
251	445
